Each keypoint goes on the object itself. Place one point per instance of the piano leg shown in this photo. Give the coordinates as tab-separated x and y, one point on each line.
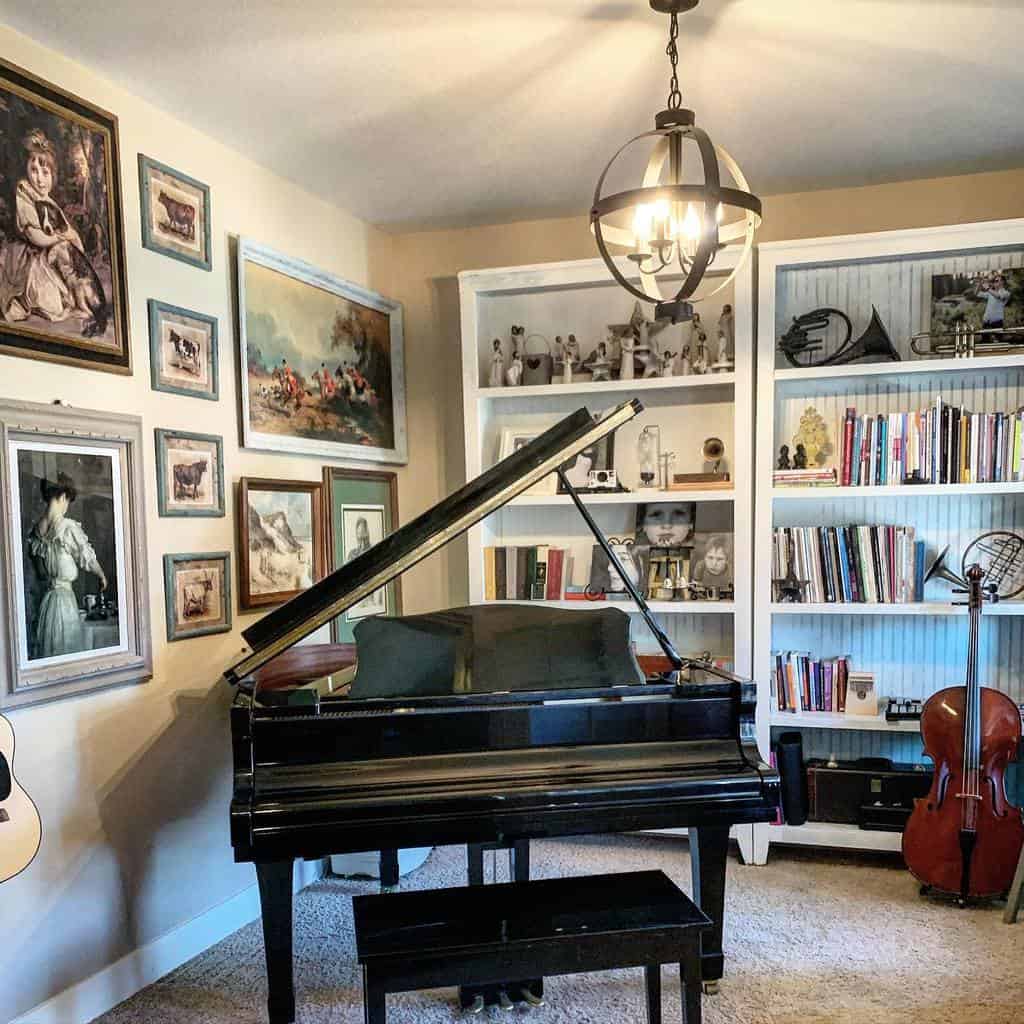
709	847
389	869
275	882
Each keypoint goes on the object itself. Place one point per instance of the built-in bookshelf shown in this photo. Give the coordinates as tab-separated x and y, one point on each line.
911	648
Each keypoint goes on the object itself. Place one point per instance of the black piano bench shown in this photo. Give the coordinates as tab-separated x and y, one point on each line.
478	935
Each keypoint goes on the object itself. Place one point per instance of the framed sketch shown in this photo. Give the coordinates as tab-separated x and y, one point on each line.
183	351
175	213
63	286
197	594
189	473
74	601
362	509
514	438
281	549
321	362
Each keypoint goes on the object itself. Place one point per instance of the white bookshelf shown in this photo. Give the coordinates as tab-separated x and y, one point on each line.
913	649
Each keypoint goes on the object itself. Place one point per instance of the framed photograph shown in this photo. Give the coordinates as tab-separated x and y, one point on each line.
321	362
175	213
514	438
63	287
281	549
986	299
666	524
362	509
197	594
189	473
183	351
74	599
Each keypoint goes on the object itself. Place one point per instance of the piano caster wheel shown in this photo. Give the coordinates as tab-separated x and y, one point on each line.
710	988
477	1006
530	999
504	1002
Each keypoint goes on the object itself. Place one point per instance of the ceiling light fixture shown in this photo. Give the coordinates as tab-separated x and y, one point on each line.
669	227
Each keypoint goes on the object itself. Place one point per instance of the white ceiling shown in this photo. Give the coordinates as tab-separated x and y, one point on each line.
454	112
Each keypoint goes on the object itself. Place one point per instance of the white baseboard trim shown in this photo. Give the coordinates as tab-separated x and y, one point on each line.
102	991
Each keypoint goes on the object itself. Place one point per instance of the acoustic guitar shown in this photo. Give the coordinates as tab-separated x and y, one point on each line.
21	830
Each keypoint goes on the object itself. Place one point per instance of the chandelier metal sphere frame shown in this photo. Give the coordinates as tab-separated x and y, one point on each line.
677	228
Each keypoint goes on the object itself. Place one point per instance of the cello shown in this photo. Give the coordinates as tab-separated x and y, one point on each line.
964	838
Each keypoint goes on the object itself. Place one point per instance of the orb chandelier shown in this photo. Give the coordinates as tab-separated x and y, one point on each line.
667	226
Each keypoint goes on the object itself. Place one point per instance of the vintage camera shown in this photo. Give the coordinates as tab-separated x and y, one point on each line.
600	478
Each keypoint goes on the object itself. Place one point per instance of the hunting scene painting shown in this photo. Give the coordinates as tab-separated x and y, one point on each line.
322	361
190	474
197	591
183	351
63	295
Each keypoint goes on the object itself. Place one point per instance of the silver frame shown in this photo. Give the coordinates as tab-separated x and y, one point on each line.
253	252
121	432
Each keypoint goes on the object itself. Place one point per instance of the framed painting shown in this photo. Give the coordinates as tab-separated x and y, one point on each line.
514	438
362	509
183	351
281	548
197	594
175	213
321	362
63	286
189	473
74	600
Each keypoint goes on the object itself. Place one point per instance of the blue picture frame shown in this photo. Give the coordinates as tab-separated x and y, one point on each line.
157	308
166	503
148	168
171	563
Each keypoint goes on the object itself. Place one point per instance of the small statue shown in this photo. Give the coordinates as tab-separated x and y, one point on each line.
518	338
599	364
727	335
685	369
514	374
784	462
700	358
667	364
570	358
497	366
626	366
800	457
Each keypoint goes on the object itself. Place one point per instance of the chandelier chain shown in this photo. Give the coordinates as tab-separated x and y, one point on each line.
675	97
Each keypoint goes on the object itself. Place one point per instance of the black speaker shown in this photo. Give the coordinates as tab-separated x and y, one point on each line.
789	759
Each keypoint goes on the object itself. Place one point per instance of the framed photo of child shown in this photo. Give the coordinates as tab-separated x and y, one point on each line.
63	286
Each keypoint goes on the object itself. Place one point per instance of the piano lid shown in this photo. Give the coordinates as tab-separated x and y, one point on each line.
287	625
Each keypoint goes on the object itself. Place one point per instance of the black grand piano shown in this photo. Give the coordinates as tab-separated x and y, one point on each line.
488	725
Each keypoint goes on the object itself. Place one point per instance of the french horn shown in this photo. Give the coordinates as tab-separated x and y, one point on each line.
799	347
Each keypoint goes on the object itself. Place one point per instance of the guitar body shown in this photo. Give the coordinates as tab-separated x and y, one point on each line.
21	830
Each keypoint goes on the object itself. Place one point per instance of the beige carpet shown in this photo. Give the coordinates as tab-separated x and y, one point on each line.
809	938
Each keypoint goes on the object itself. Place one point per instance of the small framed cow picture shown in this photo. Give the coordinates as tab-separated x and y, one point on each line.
197	592
175	213
183	351
189	473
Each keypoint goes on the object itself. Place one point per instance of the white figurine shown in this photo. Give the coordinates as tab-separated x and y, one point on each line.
570	358
599	364
514	374
626	365
685	369
667	361
497	366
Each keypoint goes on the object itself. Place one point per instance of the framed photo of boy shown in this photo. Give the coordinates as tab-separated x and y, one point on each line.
362	509
189	473
175	213
63	284
74	598
197	594
183	356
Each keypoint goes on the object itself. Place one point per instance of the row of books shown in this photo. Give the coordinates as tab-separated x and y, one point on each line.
800	683
851	564
538	573
943	444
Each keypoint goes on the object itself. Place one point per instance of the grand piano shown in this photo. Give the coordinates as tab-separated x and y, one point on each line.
489	725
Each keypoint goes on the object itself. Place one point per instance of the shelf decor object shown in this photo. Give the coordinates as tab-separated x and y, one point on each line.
673	226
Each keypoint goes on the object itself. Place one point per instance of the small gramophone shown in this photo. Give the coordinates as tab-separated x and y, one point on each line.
713	474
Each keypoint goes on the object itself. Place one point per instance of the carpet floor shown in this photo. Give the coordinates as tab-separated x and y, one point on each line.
809	938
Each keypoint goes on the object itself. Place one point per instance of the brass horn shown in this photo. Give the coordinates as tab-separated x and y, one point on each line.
963	342
939	570
874	344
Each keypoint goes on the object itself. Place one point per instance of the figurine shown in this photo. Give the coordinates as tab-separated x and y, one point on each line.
727	335
514	374
700	358
599	364
570	357
800	457
784	462
667	363
518	338
497	365
626	365
684	361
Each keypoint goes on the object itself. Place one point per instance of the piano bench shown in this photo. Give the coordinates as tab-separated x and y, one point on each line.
479	935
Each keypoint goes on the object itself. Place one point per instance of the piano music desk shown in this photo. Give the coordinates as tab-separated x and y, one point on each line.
480	935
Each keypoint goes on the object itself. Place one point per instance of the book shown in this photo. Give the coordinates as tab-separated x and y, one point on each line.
539	577
553	590
500	574
490	588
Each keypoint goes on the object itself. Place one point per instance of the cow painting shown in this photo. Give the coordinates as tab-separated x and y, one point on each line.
187	479
196	597
198	593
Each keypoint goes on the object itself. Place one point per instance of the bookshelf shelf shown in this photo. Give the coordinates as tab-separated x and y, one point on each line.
842	837
921	608
907	491
829	720
658	607
613	387
627	498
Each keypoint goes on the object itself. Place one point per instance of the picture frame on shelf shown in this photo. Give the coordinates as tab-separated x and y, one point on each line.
351	496
514	438
74	595
281	542
77	313
322	365
175	212
189	473
183	351
197	594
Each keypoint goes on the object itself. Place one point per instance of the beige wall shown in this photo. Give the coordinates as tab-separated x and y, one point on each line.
425	264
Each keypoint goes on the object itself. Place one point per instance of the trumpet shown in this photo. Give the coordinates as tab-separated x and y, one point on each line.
964	342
